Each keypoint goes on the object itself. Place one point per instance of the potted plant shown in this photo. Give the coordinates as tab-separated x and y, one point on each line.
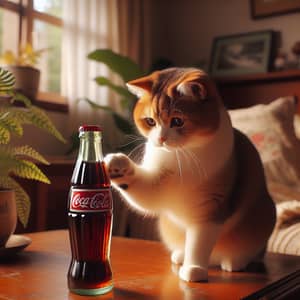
19	161
22	65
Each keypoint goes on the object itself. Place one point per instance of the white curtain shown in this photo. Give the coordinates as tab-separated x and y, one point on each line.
88	25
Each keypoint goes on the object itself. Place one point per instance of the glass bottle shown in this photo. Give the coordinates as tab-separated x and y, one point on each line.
90	218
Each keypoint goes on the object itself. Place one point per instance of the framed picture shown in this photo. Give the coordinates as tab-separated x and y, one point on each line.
269	8
242	54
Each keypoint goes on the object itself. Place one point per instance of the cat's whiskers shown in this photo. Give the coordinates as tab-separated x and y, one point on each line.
133	136
199	167
135	139
188	160
132	139
179	165
137	151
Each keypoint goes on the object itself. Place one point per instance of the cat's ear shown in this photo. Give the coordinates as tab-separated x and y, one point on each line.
193	89
140	86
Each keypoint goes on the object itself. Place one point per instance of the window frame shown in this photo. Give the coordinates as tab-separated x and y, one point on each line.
27	15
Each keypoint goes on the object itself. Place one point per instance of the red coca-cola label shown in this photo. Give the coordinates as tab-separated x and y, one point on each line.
90	200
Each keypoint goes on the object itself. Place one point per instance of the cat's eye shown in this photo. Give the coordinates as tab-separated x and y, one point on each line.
150	122
176	122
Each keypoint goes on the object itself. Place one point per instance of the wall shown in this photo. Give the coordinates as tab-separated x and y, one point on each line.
183	30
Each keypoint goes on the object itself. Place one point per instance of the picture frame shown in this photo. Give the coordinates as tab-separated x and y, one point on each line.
270	8
240	54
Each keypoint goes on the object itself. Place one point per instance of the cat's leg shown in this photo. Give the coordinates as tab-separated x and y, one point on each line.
173	237
140	187
177	256
200	240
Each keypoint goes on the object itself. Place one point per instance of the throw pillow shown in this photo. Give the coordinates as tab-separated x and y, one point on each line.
271	129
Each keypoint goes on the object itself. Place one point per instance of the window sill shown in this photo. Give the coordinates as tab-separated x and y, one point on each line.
53	102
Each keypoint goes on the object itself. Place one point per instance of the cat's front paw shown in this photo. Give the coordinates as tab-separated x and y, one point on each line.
120	168
193	273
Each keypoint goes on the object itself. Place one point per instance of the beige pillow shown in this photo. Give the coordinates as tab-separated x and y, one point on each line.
286	239
270	127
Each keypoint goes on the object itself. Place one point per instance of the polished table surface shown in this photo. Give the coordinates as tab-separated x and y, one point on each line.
141	270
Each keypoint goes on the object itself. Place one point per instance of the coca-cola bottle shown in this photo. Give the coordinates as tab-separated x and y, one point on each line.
90	218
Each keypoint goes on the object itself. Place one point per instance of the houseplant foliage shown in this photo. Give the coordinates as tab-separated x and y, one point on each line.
20	161
126	69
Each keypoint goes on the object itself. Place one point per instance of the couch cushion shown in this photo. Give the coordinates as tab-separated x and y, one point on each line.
271	128
286	235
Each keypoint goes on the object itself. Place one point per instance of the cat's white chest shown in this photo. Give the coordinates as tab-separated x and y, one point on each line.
182	167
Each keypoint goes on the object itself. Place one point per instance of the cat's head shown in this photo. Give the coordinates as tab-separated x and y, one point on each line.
177	107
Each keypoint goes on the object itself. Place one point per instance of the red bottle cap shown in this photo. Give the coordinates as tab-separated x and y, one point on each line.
89	128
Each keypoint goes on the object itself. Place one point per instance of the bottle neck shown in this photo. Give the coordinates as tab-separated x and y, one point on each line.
90	149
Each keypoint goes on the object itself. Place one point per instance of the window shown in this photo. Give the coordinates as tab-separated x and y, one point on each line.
38	22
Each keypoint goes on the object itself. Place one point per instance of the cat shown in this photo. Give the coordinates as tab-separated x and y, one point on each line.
200	176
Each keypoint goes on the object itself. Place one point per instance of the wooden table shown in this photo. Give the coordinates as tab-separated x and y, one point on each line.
142	270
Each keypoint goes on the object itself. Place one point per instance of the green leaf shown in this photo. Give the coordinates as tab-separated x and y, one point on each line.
31	114
9	123
126	68
7	80
4	135
29	153
123	124
74	143
40	119
117	88
23	99
125	103
27	169
95	105
22	198
7	160
18	161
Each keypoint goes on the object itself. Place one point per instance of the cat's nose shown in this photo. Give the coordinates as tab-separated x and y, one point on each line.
162	139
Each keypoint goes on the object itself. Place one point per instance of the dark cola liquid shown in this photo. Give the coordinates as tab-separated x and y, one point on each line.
90	235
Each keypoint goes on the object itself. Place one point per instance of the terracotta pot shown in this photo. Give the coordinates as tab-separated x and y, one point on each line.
27	80
8	215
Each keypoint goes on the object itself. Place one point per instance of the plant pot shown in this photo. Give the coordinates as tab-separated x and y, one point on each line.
27	80
8	215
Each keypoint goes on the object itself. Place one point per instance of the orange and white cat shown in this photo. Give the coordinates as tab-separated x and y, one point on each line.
203	178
